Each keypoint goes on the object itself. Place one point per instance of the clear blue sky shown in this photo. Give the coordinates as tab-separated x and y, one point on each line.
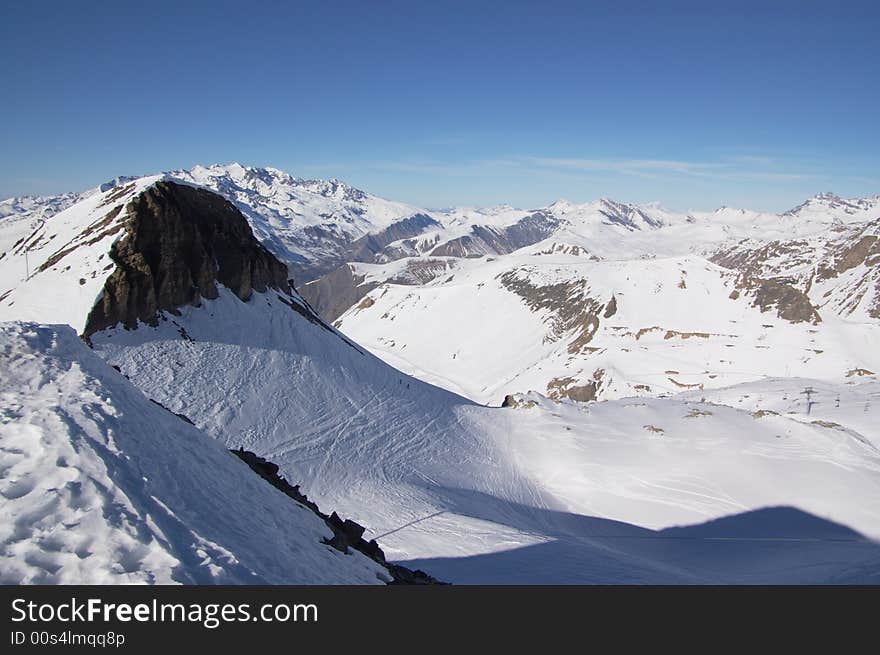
437	103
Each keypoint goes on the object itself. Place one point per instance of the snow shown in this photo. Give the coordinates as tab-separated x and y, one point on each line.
499	216
33	288
281	209
733	482
662	335
101	486
441	482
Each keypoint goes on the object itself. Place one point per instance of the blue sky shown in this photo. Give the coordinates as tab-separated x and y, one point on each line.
694	105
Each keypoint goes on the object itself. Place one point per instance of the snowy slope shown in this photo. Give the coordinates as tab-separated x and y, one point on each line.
101	486
557	323
20	216
433	476
625	300
58	271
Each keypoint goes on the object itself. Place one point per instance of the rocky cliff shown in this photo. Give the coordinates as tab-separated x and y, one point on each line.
179	243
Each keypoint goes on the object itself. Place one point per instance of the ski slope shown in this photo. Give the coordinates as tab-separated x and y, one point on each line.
102	486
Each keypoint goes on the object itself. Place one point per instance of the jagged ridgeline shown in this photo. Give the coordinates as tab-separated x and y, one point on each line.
179	243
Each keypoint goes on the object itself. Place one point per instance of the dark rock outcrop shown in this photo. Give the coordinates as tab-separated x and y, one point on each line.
518	401
179	243
559	388
864	251
346	533
611	307
574	311
791	304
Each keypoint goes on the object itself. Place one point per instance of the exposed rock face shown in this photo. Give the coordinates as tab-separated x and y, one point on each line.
515	401
864	251
530	229
422	270
754	260
860	250
791	304
572	308
465	246
559	388
179	243
627	216
610	308
845	262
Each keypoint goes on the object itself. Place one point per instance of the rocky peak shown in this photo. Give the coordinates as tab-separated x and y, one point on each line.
829	202
179	243
334	188
617	213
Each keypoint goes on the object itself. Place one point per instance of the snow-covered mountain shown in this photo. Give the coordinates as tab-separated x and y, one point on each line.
647	305
313	226
168	284
568	326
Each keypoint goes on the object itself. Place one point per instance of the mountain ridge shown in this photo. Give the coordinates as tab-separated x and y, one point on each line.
276	202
